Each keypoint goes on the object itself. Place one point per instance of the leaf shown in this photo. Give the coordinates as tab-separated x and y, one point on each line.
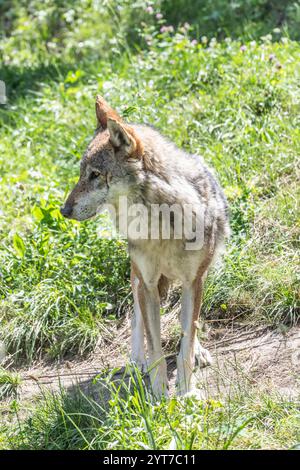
172	405
73	77
237	431
129	110
37	213
19	245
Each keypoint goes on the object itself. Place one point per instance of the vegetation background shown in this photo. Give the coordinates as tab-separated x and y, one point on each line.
221	79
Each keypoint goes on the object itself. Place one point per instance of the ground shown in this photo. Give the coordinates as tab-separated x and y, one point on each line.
267	358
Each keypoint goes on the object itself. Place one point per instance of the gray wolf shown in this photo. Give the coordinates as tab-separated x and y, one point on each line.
137	162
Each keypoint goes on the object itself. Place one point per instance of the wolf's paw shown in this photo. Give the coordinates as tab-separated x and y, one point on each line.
195	394
139	363
159	380
203	357
189	390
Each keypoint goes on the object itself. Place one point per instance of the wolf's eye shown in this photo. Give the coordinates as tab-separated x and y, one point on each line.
94	175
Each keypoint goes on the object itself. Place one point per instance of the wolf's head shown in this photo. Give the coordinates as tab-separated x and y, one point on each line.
105	166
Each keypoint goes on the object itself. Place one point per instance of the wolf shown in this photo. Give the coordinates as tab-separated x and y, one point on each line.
135	161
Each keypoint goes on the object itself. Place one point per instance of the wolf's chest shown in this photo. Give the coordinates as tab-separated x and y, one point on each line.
169	258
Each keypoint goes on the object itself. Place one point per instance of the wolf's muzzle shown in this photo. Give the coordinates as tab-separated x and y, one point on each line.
66	210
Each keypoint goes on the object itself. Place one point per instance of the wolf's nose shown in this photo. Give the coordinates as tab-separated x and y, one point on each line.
66	210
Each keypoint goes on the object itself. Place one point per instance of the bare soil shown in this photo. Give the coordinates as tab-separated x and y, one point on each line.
261	356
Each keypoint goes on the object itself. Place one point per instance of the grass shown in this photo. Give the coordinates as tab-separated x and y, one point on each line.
73	420
9	384
234	101
249	19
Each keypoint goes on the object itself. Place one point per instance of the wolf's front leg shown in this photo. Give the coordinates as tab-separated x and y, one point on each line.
137	328
150	308
190	346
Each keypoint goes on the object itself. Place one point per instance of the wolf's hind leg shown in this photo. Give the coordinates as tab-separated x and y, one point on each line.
138	356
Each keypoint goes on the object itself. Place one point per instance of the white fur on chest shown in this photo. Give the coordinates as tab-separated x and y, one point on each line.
168	257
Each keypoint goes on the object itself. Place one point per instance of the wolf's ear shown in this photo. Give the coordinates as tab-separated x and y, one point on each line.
104	112
123	136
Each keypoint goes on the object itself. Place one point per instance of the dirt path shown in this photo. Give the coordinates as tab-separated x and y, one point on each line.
261	356
267	359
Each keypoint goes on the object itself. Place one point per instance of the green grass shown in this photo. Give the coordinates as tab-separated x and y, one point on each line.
132	420
234	101
249	19
9	384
